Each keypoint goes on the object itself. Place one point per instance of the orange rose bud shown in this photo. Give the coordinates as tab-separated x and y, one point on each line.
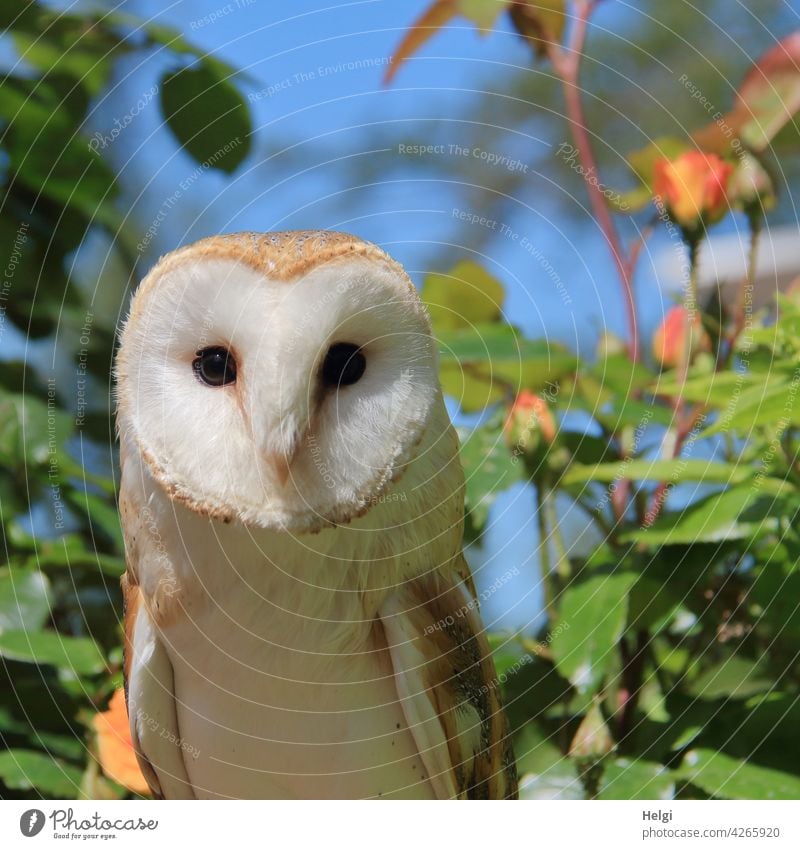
693	187
670	340
114	746
529	421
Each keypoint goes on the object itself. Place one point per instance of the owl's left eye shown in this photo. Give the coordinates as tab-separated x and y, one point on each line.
215	366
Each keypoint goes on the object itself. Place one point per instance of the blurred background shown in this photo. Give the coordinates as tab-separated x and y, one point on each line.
461	157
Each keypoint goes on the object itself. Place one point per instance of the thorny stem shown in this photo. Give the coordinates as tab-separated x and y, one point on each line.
567	63
745	293
632	674
544	554
685	422
563	569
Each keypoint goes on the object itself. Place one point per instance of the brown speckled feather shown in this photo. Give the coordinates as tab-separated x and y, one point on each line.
439	646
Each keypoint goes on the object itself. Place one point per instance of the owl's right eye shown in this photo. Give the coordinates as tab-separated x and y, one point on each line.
215	366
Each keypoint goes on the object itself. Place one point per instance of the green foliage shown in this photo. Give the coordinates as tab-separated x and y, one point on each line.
684	624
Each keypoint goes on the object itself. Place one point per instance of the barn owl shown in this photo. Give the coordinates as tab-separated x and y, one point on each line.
300	621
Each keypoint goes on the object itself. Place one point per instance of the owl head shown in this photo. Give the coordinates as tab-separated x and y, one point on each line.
283	380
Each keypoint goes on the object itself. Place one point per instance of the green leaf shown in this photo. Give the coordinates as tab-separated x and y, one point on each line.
714	389
626	779
488	363
736	513
729	778
592	619
208	116
30	771
102	516
768	404
24	599
31	433
464	296
677	471
489	469
643	161
81	655
735	677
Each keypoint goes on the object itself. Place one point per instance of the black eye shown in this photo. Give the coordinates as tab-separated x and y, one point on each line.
344	364
215	366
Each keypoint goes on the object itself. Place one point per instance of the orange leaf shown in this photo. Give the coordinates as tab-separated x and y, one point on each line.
115	748
424	28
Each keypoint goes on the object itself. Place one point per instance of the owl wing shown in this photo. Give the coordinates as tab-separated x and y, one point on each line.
151	701
447	685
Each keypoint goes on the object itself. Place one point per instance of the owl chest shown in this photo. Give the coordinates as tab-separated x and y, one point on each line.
285	689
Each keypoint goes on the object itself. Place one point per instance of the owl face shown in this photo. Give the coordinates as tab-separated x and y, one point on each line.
282	380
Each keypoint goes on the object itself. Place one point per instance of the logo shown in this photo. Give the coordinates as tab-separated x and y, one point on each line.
31	822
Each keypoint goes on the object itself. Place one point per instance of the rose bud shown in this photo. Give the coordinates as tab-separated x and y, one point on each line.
669	341
693	187
529	422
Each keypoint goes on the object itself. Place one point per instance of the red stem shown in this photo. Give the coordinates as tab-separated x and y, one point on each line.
567	67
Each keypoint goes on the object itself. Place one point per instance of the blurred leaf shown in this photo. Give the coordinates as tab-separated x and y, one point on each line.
489	469
465	296
81	655
29	771
730	778
539	23
736	513
591	620
643	161
558	782
488	363
437	15
627	779
735	677
208	116
705	471
770	93
761	405
102	516
24	599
